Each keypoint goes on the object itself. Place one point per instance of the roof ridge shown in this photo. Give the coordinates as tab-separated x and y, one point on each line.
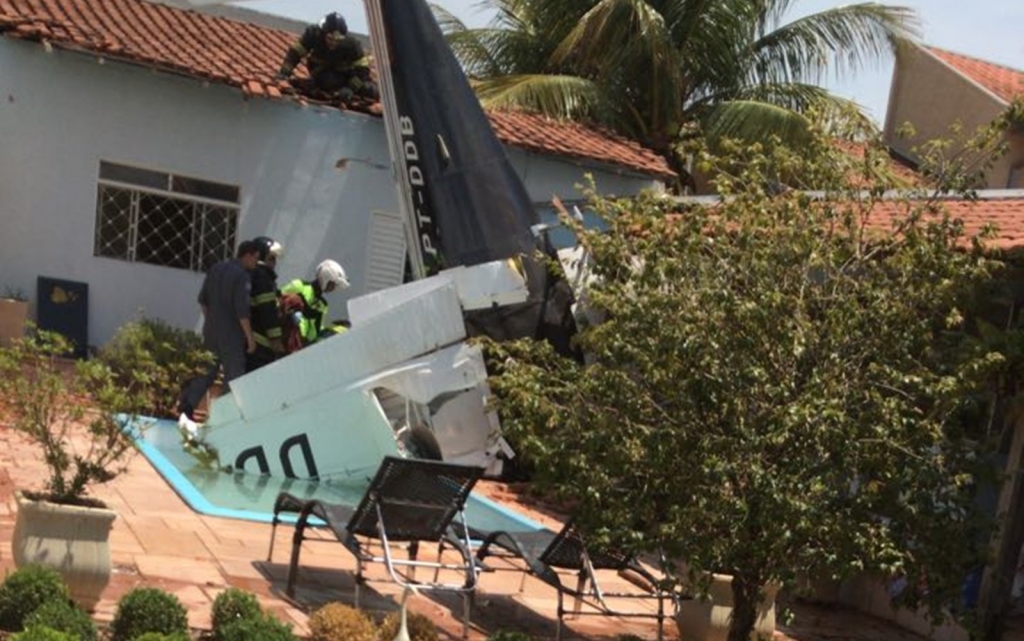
975	59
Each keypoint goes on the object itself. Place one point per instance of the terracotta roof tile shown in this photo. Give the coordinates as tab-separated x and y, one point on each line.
247	56
1005	214
1005	82
1002	213
539	133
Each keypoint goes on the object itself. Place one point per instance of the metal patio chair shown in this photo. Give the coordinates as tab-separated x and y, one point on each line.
409	501
545	552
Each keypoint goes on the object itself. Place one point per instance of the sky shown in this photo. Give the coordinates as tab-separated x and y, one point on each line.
986	29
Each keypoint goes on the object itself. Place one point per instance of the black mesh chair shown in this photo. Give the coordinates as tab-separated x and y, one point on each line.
408	501
545	552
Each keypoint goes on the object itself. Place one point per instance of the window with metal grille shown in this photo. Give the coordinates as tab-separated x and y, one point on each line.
160	218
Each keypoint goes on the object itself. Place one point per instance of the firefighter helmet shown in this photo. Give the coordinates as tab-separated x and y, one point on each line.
334	22
329	273
268	248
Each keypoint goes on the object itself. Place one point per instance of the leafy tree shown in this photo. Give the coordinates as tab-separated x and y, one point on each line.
657	70
783	383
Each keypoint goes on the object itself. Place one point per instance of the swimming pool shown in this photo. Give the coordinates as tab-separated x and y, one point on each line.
251	497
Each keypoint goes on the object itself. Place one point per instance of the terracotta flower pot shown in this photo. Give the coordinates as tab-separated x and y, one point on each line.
708	619
70	539
13	314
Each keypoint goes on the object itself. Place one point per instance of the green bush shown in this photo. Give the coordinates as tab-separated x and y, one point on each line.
421	628
148	610
24	590
156	636
509	635
153	359
263	628
43	633
63	616
339	622
232	605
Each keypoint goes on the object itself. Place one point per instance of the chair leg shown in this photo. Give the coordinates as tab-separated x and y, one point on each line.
558	618
273	532
465	614
661	617
359	581
581	585
293	565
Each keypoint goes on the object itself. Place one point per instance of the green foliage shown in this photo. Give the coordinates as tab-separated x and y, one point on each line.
43	633
509	635
420	627
782	383
55	402
148	610
63	616
340	622
152	359
156	636
232	605
27	589
662	72
263	628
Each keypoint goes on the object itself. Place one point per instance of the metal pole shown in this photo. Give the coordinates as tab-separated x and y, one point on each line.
399	168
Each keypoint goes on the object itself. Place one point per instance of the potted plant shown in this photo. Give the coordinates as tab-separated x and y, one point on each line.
13	314
76	413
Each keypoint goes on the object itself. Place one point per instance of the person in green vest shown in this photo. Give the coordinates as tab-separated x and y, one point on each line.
330	276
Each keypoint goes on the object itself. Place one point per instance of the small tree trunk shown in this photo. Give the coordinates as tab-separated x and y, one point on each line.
745	596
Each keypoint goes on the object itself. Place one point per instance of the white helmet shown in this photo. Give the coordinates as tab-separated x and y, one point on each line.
329	272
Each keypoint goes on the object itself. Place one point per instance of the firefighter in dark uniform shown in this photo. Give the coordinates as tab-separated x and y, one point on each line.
264	313
335	60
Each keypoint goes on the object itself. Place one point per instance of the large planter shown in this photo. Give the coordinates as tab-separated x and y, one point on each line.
70	539
13	314
708	619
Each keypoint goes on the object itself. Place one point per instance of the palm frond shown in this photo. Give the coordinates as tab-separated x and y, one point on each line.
844	40
555	96
754	120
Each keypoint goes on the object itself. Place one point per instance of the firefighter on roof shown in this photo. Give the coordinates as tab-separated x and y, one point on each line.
335	60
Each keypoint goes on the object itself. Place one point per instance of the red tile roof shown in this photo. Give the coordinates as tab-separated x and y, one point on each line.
1004	214
539	133
1005	82
247	56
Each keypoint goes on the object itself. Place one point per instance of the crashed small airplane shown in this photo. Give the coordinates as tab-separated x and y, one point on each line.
403	379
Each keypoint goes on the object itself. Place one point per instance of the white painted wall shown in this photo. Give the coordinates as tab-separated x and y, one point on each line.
61	113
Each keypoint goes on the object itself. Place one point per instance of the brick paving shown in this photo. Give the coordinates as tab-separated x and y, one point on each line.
159	541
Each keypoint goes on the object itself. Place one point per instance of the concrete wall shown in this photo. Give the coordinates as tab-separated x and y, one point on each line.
61	113
932	97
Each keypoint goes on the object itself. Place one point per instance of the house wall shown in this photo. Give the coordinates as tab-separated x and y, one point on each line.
930	96
63	112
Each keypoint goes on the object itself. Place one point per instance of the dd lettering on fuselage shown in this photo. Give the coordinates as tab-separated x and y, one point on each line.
258	454
425	224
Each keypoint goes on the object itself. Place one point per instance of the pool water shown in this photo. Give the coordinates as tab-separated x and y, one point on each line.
251	497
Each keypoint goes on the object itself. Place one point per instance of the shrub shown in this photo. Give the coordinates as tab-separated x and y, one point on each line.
339	622
43	633
148	610
25	590
232	605
55	405
63	616
156	636
509	635
262	628
421	628
153	359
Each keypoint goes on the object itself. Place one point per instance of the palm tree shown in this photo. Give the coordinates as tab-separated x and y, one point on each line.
658	70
